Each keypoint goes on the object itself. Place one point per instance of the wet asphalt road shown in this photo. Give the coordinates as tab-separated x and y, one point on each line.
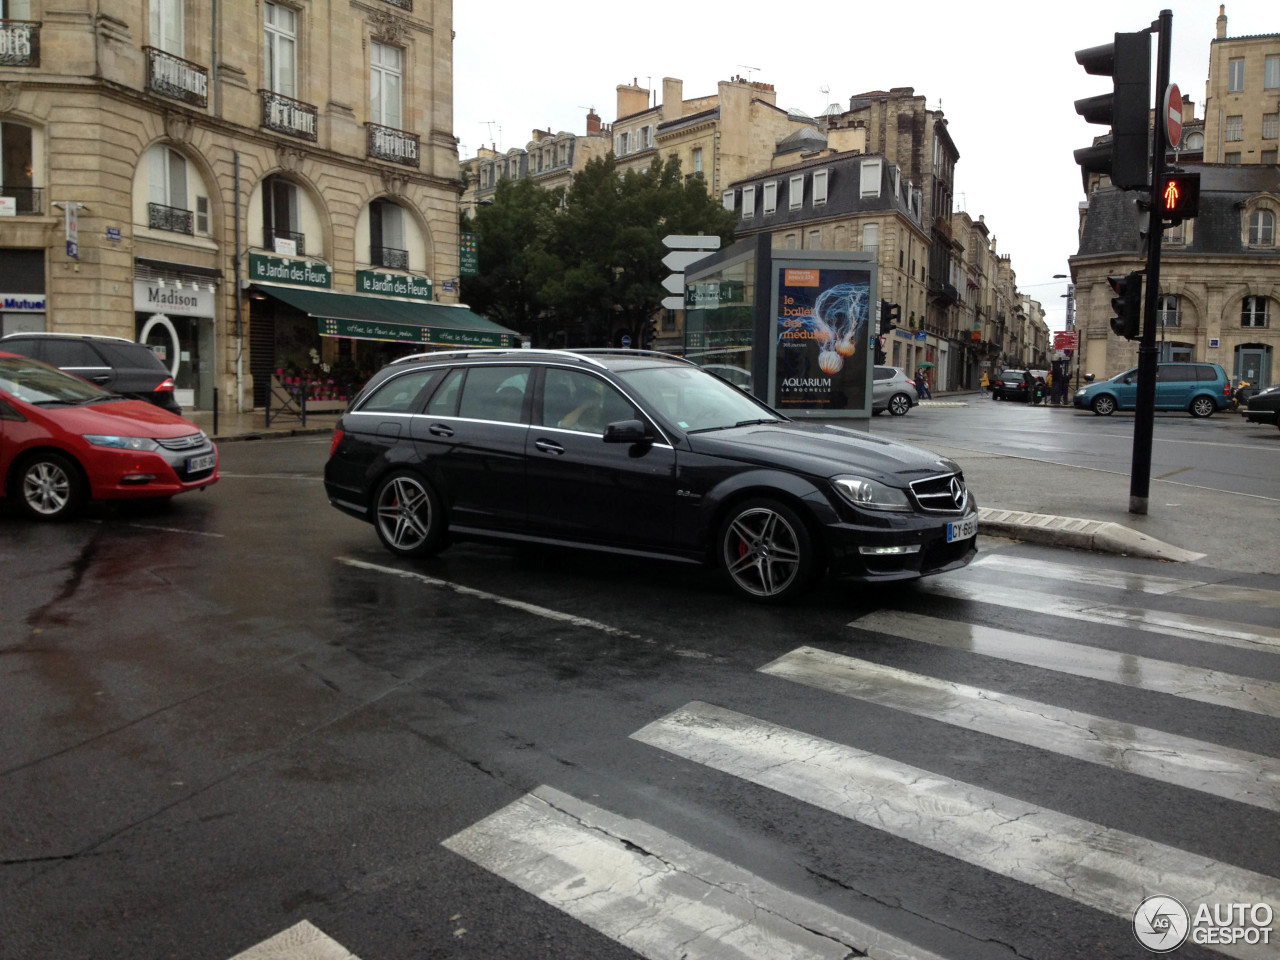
236	712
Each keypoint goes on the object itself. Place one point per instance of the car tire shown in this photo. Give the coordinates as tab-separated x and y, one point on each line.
50	487
899	404
1202	407
408	516
1103	405
766	551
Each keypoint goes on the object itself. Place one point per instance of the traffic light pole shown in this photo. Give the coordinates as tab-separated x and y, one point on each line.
1145	413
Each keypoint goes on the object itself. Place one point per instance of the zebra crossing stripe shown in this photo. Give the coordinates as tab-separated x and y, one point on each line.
1100	867
302	941
1133	582
1078	660
1208	629
1234	774
654	893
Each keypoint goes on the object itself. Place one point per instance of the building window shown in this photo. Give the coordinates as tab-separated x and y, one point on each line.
1271	73
1235	128
1235	75
202	214
1167	310
697	159
871	238
789	242
815	239
386	235
646	135
1195	141
1253	312
726	199
1262	228
16	171
166	25
280	25
1231	157
167	191
384	84
1176	234
1270	126
748	202
281	214
623	144
795	197
771	196
870	178
17	10
1268	156
819	187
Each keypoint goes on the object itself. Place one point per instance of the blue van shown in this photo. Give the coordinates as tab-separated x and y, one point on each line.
1198	388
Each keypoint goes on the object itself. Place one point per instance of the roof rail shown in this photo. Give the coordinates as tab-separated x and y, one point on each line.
498	351
629	352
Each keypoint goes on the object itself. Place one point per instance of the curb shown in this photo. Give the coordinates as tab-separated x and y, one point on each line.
1101	535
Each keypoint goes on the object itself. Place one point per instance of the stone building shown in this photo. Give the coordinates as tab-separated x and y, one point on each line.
1242	97
551	159
248	179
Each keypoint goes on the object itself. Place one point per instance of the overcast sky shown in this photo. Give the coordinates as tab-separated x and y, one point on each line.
1003	72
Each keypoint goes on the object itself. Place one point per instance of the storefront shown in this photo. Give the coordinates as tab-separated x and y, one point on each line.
174	316
23	304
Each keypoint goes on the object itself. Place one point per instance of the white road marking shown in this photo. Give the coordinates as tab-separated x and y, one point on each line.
1133	582
302	941
152	526
1103	868
1078	660
1207	629
1210	768
654	893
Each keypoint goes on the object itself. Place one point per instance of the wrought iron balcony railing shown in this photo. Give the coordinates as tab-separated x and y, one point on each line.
389	257
402	4
269	235
388	143
176	78
287	115
19	43
174	219
26	200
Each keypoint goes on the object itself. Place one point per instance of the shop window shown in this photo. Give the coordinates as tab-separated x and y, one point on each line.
1253	312
1262	228
1235	75
167	26
167	207
281	214
387	247
280	29
384	84
16	167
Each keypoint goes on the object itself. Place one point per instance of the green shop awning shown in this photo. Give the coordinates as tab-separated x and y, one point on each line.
363	317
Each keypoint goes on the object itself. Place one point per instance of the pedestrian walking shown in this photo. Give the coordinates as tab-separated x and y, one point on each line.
922	385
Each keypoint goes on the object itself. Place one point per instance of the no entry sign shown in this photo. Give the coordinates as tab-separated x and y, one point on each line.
1173	114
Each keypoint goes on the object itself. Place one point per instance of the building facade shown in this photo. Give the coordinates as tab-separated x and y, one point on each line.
208	155
1242	97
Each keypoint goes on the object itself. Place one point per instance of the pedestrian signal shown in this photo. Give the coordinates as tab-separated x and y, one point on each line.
1178	197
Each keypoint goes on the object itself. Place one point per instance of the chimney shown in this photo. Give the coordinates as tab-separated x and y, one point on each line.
593	122
632	99
1222	21
672	99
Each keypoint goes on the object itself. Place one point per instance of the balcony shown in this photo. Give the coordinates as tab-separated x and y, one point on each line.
402	4
26	200
173	219
389	257
177	79
19	43
271	234
388	143
289	116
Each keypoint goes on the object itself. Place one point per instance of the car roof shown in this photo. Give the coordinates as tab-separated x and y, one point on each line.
606	358
70	336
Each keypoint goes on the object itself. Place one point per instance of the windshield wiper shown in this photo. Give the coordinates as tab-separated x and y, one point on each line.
752	423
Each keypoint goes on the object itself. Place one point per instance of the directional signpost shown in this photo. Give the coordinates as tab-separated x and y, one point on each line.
685	250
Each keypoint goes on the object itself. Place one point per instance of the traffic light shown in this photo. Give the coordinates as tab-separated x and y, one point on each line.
1178	197
890	315
648	331
1127	303
1127	109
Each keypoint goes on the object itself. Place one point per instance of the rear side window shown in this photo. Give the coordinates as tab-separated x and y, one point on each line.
72	353
494	393
444	403
1205	372
403	394
136	355
883	373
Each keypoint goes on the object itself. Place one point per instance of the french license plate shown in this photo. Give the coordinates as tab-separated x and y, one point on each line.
206	462
962	529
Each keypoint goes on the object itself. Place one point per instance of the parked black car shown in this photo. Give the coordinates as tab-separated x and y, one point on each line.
641	453
113	363
1011	385
1264	407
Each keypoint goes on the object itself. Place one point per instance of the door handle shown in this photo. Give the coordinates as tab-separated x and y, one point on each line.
440	430
548	446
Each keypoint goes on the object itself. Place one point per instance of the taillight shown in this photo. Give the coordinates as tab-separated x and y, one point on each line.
335	440
1226	389
165	385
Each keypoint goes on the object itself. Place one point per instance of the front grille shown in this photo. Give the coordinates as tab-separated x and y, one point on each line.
190	442
942	494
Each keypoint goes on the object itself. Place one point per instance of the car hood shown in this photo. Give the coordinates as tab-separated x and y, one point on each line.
124	418
822	450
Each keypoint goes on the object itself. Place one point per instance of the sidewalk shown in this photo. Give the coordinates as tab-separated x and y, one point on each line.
1020	498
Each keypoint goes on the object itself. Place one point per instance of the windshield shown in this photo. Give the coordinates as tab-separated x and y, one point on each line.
692	400
37	382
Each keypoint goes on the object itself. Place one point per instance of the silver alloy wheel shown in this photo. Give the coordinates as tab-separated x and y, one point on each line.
1104	405
48	488
899	404
1203	407
762	552
404	514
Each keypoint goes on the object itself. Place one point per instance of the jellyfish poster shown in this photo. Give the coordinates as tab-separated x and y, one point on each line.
823	329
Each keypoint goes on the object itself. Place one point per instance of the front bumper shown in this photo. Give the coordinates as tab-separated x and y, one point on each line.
847	545
136	474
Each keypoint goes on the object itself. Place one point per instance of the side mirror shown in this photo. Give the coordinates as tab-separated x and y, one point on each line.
626	431
1088	378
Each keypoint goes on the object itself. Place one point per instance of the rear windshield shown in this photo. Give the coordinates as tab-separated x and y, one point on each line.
130	355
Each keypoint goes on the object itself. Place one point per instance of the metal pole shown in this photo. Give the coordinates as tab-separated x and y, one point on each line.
1145	413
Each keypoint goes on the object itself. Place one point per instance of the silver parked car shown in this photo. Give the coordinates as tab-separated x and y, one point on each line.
892	390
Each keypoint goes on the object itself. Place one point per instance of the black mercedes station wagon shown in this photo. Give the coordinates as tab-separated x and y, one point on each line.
642	453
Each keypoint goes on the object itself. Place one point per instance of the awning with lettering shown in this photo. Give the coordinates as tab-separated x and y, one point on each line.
363	317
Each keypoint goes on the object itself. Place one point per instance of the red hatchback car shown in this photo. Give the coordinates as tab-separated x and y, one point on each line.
64	441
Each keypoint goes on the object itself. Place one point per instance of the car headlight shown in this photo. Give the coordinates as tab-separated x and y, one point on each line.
121	443
871	494
1080	392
